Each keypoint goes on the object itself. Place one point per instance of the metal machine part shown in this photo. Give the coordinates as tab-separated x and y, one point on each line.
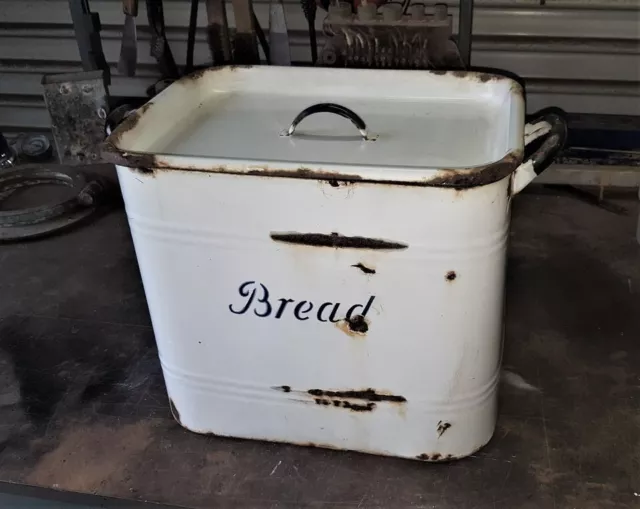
78	105
35	148
385	37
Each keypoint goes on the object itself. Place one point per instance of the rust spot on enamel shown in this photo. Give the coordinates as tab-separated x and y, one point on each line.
357	326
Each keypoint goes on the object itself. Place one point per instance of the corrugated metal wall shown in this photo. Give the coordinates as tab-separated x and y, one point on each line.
581	55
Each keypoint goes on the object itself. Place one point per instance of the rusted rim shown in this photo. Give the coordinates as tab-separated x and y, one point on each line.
456	178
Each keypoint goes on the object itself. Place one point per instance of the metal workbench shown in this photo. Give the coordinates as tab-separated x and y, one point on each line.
84	408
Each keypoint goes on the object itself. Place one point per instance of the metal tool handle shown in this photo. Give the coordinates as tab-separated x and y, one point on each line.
130	7
552	124
329	108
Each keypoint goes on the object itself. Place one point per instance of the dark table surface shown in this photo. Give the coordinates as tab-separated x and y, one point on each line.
84	408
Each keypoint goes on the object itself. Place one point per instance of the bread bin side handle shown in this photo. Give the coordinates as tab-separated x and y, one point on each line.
553	125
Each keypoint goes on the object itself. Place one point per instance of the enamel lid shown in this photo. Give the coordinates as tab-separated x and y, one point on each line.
382	125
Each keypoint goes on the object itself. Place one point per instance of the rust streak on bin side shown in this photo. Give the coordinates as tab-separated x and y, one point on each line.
335	179
357	326
354	407
436	457
442	427
364	268
336	240
357	400
339	182
363	394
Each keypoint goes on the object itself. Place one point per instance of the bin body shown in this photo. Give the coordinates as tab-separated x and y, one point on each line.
335	288
420	381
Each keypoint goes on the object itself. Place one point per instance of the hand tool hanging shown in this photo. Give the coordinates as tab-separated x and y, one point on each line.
245	47
191	37
279	52
248	29
262	38
86	25
129	48
159	46
218	32
309	9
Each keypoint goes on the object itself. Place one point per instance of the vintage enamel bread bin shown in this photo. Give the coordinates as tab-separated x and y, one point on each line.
324	284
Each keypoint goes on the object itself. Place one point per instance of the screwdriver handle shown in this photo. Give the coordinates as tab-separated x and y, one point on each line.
130	7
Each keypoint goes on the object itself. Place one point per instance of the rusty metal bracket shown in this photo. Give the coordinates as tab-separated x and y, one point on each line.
78	105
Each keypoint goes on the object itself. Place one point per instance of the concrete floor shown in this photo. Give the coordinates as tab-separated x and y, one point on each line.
84	407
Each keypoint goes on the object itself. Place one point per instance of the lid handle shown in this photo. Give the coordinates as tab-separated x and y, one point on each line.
329	108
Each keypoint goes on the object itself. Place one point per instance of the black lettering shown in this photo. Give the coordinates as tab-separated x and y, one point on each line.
283	304
321	309
365	308
264	300
298	310
244	292
332	316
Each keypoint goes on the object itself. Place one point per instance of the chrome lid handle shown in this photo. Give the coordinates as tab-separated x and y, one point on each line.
351	115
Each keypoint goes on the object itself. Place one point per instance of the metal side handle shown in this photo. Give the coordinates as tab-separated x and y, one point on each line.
337	109
551	124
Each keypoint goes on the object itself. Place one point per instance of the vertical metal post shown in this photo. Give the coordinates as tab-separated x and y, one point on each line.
465	30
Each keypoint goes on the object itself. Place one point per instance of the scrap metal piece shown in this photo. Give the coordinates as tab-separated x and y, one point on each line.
35	148
78	104
83	199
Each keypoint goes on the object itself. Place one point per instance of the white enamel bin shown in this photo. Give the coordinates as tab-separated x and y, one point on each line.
337	281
